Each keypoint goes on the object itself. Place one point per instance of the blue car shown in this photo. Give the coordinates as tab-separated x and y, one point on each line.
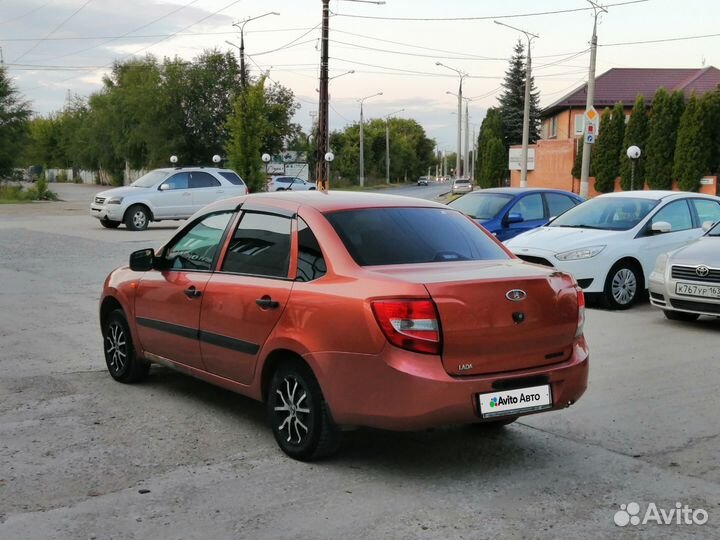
507	212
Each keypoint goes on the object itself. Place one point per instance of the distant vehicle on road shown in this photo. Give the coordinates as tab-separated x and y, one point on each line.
507	212
289	183
335	312
172	193
686	283
461	185
610	243
423	181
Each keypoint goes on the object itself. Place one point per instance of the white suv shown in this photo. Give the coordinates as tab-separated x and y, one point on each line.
289	183
175	193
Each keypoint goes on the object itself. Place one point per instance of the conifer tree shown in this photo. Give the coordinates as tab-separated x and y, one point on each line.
607	148
636	134
662	136
512	100
691	150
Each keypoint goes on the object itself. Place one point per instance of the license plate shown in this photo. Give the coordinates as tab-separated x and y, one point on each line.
703	291
520	400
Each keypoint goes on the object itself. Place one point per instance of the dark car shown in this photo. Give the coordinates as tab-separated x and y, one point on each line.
507	212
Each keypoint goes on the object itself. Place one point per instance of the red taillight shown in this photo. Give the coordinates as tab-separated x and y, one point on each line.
409	324
581	312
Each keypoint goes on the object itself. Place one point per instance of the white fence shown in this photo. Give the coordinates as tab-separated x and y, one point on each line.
91	177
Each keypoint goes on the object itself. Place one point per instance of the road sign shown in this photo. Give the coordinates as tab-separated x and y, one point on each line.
590	138
591	125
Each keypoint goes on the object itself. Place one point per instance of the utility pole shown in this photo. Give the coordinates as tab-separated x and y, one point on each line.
526	109
587	148
462	75
321	175
466	166
362	140
387	145
241	26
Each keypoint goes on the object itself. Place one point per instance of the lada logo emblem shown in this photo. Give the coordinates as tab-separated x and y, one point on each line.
516	295
702	271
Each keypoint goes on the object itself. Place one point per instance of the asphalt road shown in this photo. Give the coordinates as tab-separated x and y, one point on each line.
84	457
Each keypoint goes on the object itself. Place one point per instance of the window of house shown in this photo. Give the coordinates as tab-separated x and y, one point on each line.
579	124
553	127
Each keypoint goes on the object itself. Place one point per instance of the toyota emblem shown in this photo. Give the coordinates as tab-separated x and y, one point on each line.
516	295
702	271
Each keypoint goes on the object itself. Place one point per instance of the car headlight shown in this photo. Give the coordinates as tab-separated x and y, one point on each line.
661	264
115	200
582	253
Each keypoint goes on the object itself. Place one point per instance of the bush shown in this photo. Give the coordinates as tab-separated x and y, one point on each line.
61	177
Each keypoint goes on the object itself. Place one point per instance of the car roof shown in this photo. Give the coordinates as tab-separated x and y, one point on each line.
519	190
323	201
194	168
655	195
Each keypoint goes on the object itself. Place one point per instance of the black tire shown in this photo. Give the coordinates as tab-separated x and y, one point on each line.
302	426
681	316
137	217
122	362
110	224
623	286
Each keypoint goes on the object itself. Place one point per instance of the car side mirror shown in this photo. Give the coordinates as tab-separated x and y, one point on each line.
707	225
142	260
660	227
164	187
514	217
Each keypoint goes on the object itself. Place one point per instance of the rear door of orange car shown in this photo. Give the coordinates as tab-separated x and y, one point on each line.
246	296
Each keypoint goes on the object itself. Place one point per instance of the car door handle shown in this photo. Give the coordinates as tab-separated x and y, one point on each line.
267	303
192	292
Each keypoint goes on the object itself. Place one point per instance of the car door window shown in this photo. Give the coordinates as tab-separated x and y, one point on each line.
200	179
558	204
233	178
677	214
197	247
311	264
260	246
178	181
706	210
530	206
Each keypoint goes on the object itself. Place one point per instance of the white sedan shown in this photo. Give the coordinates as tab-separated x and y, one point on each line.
161	194
289	183
610	243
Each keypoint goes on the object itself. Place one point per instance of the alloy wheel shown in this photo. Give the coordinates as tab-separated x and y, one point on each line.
116	347
292	411
139	219
624	286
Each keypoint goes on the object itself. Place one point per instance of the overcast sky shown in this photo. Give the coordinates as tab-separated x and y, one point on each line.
74	41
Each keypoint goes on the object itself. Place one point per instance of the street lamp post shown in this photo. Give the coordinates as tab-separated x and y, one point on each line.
241	26
634	154
462	75
526	110
362	140
387	144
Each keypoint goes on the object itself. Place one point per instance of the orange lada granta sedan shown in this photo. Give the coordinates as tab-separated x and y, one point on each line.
342	309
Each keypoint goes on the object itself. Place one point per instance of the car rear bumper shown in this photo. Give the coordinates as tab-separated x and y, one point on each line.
401	390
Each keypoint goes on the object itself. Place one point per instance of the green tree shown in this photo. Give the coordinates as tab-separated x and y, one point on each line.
636	134
494	165
710	104
607	148
692	149
662	136
14	123
490	129
248	127
577	165
512	100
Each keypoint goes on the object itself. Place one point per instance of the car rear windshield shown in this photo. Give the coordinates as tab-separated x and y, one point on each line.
607	213
232	178
462	181
380	236
150	179
481	205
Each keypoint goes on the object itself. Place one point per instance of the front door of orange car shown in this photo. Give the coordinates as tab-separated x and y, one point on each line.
243	301
168	300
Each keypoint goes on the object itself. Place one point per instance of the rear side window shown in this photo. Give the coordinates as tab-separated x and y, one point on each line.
311	264
530	206
260	246
233	178
706	210
202	180
379	236
677	214
558	204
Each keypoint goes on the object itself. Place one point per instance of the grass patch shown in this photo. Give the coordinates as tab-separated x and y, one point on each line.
17	194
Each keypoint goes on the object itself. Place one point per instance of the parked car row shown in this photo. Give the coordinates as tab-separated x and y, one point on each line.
616	245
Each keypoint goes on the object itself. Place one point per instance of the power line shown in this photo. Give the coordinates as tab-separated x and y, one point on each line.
58	27
291	43
482	18
285	47
665	40
38	8
126	36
